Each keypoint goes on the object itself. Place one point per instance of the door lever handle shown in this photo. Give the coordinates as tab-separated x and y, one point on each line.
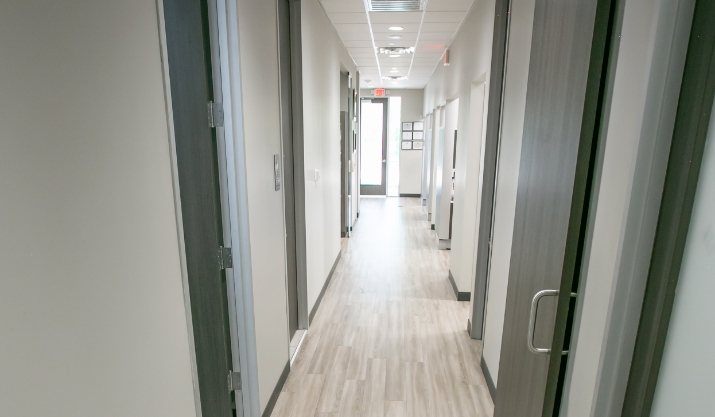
532	320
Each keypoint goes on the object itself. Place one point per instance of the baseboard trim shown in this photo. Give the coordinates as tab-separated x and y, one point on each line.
277	391
461	296
410	195
325	287
488	379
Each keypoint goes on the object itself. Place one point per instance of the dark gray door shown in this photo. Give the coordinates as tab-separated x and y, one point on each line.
284	51
370	140
189	57
564	96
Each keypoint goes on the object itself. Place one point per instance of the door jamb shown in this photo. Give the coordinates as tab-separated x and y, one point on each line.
485	219
301	256
243	324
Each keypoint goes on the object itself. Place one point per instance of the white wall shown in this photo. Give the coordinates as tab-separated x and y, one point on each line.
467	194
92	311
435	155
324	56
444	189
646	85
427	160
470	60
686	380
410	160
261	128
512	127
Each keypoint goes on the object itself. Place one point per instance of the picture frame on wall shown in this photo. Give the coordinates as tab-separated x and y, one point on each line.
406	135
418	126
406	145
418	135
406	125
418	144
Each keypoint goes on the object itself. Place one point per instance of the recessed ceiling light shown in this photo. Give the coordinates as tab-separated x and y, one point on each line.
396	28
395	37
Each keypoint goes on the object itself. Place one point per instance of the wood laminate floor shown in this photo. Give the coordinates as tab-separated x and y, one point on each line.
389	339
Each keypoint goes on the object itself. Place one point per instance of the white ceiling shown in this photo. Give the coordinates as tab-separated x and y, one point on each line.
430	31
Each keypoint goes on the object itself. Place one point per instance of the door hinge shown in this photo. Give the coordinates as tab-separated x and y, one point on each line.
215	114
225	258
234	381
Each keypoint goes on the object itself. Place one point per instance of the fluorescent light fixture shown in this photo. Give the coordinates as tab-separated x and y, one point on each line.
394	70
395	37
395	28
395	55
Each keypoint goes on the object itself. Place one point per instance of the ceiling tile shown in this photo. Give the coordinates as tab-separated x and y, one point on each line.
436	17
353	17
449	5
343	6
395	17
429	32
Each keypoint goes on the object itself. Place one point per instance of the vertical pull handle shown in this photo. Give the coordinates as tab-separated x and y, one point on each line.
532	320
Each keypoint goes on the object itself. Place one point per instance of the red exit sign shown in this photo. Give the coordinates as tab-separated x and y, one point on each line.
378	92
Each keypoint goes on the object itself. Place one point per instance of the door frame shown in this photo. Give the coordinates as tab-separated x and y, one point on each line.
692	121
346	134
490	161
292	180
382	188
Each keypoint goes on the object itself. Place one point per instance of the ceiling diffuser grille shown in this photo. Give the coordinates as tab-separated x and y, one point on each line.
395	5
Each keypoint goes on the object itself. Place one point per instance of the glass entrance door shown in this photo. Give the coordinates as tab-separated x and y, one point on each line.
373	146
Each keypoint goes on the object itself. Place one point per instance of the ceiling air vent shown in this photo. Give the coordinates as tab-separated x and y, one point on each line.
395	5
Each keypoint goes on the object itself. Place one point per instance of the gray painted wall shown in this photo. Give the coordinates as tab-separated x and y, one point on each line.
324	56
92	311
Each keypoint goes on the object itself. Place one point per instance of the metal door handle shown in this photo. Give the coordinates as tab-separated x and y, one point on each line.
532	320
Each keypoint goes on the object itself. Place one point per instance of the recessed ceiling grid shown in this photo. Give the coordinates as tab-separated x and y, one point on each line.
428	30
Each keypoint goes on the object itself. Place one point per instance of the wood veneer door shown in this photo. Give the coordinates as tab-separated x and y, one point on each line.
190	72
563	104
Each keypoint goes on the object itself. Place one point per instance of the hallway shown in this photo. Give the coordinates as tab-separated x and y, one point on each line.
389	339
